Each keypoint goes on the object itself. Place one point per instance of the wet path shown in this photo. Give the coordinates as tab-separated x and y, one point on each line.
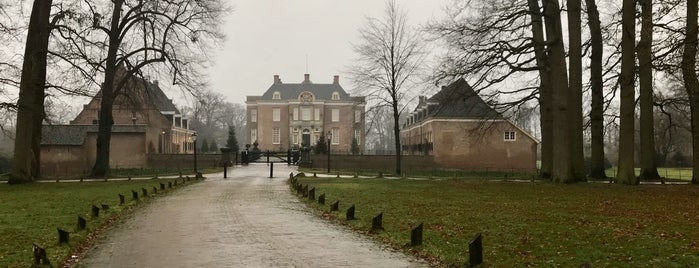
247	220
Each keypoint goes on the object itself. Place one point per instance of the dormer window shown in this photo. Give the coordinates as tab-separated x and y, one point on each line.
276	95
336	96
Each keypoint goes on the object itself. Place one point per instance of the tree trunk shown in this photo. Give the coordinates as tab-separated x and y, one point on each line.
691	84
625	171
396	134
544	89
26	158
597	94
649	170
561	171
104	133
575	94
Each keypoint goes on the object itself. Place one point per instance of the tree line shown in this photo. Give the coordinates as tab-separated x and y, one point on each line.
634	60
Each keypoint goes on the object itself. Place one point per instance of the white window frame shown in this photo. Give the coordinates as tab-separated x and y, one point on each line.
357	116
316	115
296	138
276	114
335	96
510	136
335	115
253	135
306	113
336	136
253	115
276	136
358	135
296	114
276	95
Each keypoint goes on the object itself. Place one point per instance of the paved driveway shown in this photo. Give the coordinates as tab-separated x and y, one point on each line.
247	220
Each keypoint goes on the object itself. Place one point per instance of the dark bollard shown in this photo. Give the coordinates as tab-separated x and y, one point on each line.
304	191
288	157
475	251
121	199
312	194
225	170
321	199
134	194
416	236
95	211
291	175
129	177
315	175
169	184
335	206
162	186
63	236
377	223
271	170
350	213
40	256
82	223
144	191
180	174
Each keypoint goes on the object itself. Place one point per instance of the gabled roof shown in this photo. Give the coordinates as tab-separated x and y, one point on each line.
158	97
458	100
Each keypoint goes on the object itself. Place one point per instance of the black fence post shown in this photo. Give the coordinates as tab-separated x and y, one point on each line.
271	168
377	223
475	251
350	213
416	236
63	236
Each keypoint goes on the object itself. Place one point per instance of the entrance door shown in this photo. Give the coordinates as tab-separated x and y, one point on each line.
306	138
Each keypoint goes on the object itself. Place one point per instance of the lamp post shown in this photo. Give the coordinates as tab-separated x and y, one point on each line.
194	140
330	136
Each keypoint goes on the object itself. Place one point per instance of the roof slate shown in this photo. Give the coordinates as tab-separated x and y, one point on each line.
458	100
292	91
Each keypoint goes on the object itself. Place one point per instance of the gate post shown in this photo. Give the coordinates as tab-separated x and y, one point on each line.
267	156
288	157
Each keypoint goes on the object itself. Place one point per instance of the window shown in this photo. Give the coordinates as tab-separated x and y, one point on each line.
295	139
336	96
253	135
296	114
275	136
358	135
357	116
336	115
276	95
306	113
509	135
253	115
336	136
276	114
316	116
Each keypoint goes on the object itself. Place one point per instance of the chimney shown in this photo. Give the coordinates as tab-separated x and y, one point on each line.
306	78
336	79
276	79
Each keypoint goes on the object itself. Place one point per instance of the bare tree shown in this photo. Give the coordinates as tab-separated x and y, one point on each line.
30	105
159	38
645	75
596	92
691	83
576	89
389	55
626	173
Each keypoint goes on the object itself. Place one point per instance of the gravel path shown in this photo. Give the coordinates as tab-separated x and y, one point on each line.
247	220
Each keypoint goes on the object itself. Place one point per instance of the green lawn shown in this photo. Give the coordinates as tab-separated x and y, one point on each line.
527	224
31	213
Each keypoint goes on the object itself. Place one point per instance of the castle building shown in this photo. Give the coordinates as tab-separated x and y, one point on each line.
459	130
293	115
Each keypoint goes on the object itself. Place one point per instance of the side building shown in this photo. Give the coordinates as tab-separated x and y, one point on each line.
459	130
146	122
293	115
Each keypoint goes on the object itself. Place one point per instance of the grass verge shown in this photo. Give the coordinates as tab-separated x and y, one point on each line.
30	214
526	224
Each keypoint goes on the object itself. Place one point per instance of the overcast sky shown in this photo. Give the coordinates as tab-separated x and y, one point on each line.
268	37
